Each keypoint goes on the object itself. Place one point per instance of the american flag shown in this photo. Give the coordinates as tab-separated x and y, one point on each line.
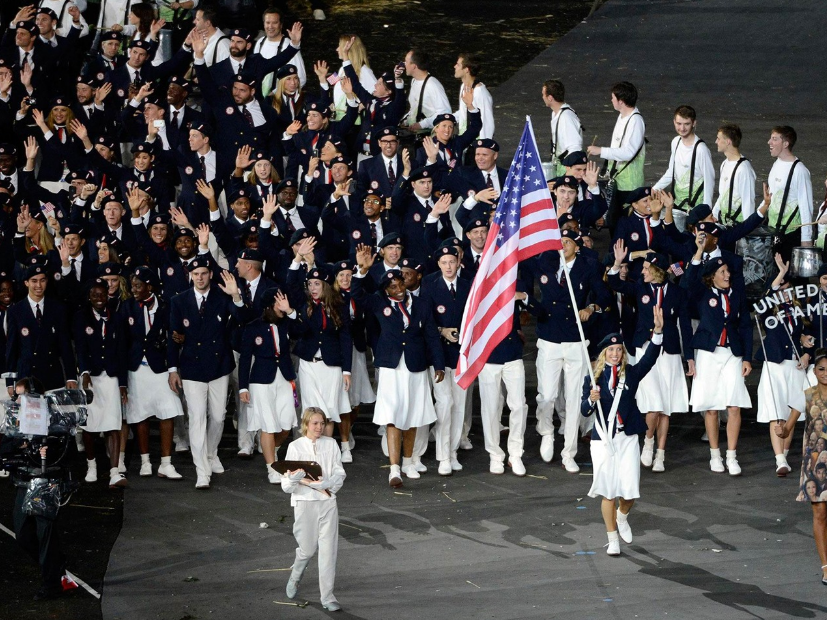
524	225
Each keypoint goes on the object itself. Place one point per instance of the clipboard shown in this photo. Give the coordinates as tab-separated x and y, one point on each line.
311	468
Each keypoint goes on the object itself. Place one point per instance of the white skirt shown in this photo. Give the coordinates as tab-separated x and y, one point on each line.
323	387
361	391
780	389
403	398
718	383
664	387
150	395
618	474
104	412
272	408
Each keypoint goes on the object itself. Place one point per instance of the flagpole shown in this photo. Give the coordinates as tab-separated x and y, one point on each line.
602	428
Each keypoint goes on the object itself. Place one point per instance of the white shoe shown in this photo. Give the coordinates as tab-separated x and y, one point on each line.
623	527
547	448
570	465
246	453
395	477
117	480
347	457
202	483
4	473
464	444
410	472
445	468
517	467
91	472
455	464
705	437
648	451
716	464
319	15
146	469
432	435
614	544
215	466
351	441
384	443
782	467
733	466
420	466
182	446
496	467
273	477
121	465
292	588
657	466
381	431
167	470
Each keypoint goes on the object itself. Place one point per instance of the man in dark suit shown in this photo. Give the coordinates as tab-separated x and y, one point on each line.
106	57
201	360
88	109
38	342
480	184
138	71
21	46
241	62
75	267
383	171
179	116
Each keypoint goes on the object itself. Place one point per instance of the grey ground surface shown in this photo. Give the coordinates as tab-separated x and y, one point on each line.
482	546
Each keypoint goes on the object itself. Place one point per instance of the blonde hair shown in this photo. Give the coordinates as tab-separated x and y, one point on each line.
278	93
358	54
70	116
45	241
600	364
309	413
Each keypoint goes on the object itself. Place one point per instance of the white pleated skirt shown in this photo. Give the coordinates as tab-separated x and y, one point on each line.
150	395
664	387
104	412
323	387
618	474
403	398
780	389
718	383
272	408
361	391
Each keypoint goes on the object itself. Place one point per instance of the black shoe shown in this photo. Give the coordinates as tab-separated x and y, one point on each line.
48	594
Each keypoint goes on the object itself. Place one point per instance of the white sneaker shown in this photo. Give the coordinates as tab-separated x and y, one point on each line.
395	476
215	465
455	464
660	457
420	466
4	473
167	470
782	467
202	483
547	448
384	443
351	441
733	466
319	15
410	472
716	464
570	465
273	477
496	467
517	467
182	446
146	469
623	527
121	465
347	457
705	437
613	548
117	480
91	471
445	468
648	451
292	587
464	444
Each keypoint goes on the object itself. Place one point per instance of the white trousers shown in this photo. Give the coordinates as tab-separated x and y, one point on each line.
207	404
491	378
316	528
450	414
246	439
553	359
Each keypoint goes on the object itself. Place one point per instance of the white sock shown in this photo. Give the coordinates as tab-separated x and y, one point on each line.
345	446
715	453
122	457
621	516
166	460
780	459
786	452
730	454
144	458
407	461
91	463
648	442
613	536
661	454
113	471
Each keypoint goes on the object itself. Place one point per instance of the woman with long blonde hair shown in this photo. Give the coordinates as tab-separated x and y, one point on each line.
36	237
352	49
615	444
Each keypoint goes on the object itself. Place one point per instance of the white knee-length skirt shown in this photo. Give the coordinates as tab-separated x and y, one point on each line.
403	398
780	389
664	387
361	391
323	387
104	412
272	407
718	383
618	474
150	395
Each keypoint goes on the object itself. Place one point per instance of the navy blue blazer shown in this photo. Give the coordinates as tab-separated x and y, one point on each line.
299	147
510	348
358	326
98	353
451	153
373	170
254	65
141	344
782	338
446	311
627	410
206	353
43	351
682	244
259	361
632	229
419	341
377	114
335	343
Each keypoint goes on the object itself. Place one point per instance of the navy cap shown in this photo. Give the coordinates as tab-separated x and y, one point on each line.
6	276
710	228
106	141
183	232
387	131
339	159
180	81
343	265
156	99
238	194
286	71
440	118
29	26
142	147
712	266
388	78
203	129
390	240
609	340
319	273
420	173
285	184
573	235
475	223
446	251
144	45
250	227
96	283
160	218
36	270
698	214
242	33
822	271
8	149
389	276
198	261
46	11
657	259
303	233
566	181
109	269
250	254
487	143
246	79
638	194
110	35
145	275
337	143
575	158
72	229
59	100
320	107
268	298
450	242
409	263
376	194
93	80
565	218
